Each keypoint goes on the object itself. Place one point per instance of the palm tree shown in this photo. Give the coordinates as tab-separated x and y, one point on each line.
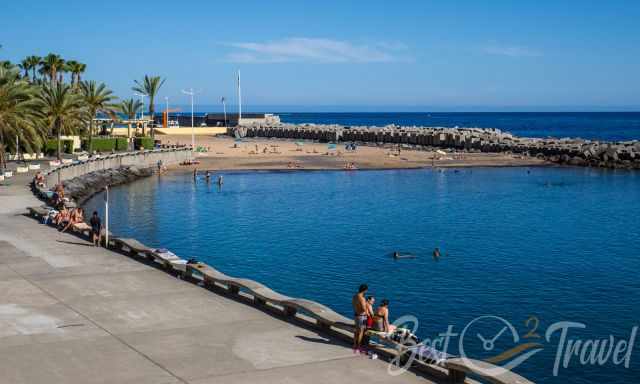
25	65
98	99
33	61
149	86
51	64
130	108
76	68
64	109
64	68
19	114
6	64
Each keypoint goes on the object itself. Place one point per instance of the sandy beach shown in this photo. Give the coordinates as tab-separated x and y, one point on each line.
223	153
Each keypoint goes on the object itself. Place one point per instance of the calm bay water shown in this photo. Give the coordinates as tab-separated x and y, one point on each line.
561	244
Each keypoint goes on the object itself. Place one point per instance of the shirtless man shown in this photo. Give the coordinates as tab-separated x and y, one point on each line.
359	304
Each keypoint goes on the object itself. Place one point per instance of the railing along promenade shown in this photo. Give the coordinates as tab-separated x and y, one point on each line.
571	151
307	312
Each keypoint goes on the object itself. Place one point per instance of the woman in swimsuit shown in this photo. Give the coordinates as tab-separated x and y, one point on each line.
381	318
370	301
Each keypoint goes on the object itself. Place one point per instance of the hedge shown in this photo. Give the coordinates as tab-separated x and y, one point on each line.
145	142
51	146
100	144
122	144
106	144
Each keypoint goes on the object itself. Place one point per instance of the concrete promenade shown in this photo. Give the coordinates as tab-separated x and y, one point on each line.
72	313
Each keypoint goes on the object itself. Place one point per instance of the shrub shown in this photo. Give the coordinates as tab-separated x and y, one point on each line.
122	144
100	144
145	142
51	146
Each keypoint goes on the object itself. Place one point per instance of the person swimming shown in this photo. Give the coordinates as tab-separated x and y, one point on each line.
220	180
436	253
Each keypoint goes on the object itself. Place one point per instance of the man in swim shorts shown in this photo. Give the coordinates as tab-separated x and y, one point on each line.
359	304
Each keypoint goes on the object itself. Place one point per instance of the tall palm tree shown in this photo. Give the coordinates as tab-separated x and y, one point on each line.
64	68
6	64
33	61
76	68
98	99
64	109
20	114
25	65
149	86
130	108
51	64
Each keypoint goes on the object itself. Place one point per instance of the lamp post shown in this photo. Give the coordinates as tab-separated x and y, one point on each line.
224	109
193	136
166	99
106	216
141	95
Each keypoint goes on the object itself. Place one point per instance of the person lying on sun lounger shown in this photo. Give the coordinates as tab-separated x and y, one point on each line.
62	217
77	216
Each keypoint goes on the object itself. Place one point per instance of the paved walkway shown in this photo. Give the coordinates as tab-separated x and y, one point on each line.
72	313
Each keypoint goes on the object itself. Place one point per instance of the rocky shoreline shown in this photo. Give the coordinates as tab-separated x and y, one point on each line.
81	188
566	151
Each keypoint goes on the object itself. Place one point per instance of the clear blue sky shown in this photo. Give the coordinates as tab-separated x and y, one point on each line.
431	55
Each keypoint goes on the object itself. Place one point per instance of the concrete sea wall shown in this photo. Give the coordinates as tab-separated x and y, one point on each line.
562	151
139	159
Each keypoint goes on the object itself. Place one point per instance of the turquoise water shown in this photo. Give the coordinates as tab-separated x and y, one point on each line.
561	244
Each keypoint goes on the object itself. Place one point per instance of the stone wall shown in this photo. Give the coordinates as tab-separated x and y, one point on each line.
139	159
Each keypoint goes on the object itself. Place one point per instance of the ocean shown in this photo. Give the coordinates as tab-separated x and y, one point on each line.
526	247
610	126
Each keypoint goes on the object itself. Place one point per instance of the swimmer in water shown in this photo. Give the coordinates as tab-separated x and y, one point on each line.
207	176
220	181
436	254
195	173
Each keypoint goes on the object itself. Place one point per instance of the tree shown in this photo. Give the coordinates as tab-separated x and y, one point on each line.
130	108
50	66
20	114
98	99
149	86
76	68
33	62
64	109
25	65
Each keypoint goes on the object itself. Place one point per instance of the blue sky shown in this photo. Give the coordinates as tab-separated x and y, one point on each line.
370	55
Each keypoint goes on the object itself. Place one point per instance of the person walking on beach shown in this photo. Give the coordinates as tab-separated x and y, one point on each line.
359	304
96	227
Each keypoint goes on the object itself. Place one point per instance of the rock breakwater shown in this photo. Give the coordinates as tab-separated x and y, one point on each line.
83	187
569	151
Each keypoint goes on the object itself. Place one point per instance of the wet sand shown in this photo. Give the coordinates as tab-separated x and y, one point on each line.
224	154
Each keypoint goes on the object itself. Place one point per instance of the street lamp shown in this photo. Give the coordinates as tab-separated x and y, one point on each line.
224	108
166	98
142	96
191	93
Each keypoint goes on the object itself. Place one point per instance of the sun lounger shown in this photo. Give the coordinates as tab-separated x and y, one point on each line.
34	167
39	212
82	228
22	169
169	259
